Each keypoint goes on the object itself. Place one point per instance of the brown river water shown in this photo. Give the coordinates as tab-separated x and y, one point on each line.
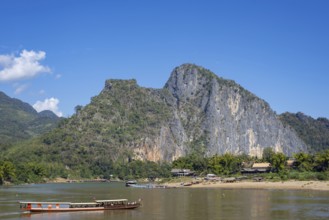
171	204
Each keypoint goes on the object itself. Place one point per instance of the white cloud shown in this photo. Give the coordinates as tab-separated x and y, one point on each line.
26	65
20	88
58	76
48	104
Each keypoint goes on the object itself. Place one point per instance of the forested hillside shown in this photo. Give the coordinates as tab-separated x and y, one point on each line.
314	132
196	112
20	121
128	130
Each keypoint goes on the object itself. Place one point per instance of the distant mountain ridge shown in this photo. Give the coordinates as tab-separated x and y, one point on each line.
314	132
196	112
20	121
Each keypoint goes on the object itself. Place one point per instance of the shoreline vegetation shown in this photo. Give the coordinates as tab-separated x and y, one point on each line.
273	167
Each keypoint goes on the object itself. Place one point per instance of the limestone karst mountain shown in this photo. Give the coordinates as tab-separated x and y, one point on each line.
195	112
225	117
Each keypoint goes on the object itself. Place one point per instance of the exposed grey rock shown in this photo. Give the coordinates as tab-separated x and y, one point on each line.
214	116
195	112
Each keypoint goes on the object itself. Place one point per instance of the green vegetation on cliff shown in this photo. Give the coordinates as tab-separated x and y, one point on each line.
314	132
195	114
94	141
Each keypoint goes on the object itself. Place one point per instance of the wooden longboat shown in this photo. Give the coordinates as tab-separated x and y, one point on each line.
98	205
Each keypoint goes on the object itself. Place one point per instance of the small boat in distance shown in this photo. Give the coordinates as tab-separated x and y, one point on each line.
148	186
145	186
131	183
98	205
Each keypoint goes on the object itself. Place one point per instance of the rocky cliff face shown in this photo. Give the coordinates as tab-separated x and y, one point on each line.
210	115
215	116
195	112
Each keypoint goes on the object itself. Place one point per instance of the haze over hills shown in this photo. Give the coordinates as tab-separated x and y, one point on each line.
20	121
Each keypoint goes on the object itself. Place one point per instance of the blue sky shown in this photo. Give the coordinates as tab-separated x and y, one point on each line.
57	54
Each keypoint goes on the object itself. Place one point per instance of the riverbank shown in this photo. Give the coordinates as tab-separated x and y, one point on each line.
244	184
285	185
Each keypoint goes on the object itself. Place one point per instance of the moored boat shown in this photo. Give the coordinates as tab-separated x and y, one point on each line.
146	186
131	183
97	205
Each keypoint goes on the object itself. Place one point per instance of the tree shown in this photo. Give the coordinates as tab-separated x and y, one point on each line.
1	175
31	172
321	161
182	163
224	164
278	162
192	161
303	161
7	171
214	164
198	163
78	108
268	154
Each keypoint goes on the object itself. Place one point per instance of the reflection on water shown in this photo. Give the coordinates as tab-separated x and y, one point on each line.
161	204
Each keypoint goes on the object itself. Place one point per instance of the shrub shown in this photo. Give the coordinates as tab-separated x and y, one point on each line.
307	176
322	176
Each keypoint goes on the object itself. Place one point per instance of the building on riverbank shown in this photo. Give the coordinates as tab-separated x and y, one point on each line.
182	172
257	168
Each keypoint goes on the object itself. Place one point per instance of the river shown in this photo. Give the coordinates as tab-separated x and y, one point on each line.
169	204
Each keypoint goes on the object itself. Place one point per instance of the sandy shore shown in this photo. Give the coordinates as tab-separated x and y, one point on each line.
295	185
249	184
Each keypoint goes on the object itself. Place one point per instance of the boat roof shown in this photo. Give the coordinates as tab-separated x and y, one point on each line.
75	203
112	200
131	181
23	202
83	203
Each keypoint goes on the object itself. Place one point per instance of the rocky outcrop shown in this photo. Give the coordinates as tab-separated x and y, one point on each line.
211	115
216	116
196	112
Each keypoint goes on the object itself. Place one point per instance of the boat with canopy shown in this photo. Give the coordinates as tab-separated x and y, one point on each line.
97	205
